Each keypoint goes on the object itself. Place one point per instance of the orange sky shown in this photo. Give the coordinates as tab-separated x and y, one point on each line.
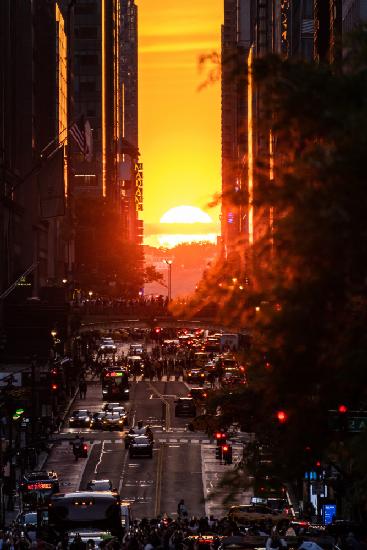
179	126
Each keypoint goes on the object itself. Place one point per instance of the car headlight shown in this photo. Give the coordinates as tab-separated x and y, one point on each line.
87	419
126	391
121	421
104	391
71	419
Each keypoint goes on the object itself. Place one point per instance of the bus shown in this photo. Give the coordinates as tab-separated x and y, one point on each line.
115	385
36	488
93	515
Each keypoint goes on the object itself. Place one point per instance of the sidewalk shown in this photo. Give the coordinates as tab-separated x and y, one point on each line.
11	515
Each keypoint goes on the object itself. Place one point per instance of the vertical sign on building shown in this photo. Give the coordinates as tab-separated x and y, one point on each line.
139	186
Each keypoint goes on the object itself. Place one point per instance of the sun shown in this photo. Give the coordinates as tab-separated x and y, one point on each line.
186	214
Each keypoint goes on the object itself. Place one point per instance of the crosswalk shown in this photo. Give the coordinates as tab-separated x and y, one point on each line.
168	440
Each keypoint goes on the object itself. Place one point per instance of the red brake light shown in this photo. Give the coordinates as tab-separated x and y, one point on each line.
85	447
218	435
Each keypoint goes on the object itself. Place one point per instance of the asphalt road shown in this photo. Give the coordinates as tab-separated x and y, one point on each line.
154	486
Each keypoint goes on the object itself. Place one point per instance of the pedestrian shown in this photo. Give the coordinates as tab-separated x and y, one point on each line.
181	509
82	388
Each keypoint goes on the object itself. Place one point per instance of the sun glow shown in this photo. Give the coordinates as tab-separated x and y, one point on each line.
186	214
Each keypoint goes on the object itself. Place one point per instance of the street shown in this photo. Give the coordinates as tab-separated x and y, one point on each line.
153	486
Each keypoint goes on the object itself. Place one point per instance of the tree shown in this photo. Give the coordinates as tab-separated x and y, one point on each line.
302	290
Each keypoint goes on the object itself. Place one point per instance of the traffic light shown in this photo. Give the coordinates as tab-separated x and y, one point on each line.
282	417
227	454
318	469
342	418
221	438
54	387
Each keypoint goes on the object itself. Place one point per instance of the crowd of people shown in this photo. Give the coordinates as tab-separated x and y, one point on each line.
185	532
156	305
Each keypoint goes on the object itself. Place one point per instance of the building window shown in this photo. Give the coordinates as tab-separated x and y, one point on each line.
87	87
85	9
86	33
88	59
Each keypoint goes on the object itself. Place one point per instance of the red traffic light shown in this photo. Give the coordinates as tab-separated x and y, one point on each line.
282	416
158	330
343	409
218	435
318	464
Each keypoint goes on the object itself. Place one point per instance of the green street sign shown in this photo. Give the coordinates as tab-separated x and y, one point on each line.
19	412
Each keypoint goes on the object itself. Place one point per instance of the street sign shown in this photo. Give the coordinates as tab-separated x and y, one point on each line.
328	513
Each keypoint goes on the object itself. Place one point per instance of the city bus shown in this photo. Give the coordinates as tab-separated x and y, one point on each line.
37	487
115	385
91	514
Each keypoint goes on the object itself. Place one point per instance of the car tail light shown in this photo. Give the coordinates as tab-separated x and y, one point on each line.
85	447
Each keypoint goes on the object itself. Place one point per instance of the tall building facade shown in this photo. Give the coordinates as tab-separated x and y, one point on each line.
132	173
34	112
253	28
35	207
105	94
236	40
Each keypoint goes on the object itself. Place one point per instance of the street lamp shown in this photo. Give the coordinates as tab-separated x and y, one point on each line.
90	294
169	263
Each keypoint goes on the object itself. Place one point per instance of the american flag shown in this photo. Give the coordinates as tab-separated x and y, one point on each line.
77	131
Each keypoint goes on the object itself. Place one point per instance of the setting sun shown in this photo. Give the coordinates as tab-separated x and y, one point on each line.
185	214
179	132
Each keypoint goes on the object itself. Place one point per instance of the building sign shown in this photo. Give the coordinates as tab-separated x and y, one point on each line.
39	486
139	186
328	513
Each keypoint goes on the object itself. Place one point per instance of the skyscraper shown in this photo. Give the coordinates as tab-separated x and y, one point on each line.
106	184
236	40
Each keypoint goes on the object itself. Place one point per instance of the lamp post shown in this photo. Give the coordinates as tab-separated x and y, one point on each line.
169	263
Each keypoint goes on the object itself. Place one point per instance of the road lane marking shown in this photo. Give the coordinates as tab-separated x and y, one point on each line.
158	486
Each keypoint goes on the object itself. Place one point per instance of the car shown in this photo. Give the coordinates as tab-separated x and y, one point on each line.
199	394
107	346
80	418
140	445
121	410
196	375
110	406
113	421
136	349
185	406
135	364
99	485
254	512
97	420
